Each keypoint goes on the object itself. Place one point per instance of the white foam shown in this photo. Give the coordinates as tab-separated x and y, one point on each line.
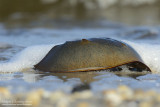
26	59
150	54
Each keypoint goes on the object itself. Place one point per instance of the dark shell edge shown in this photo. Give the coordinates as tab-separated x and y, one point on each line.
140	64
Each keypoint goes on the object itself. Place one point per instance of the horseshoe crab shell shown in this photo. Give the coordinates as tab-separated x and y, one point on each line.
89	55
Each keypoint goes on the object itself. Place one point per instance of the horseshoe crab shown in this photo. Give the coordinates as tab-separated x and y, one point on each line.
90	55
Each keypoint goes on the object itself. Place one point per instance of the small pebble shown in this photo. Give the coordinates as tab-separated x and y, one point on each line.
125	92
56	96
112	98
35	97
83	104
145	104
80	87
4	92
83	95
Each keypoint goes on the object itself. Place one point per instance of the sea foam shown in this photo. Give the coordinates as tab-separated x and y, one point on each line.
150	54
26	59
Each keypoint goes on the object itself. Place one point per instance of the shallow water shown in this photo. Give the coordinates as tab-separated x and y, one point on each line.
22	48
24	82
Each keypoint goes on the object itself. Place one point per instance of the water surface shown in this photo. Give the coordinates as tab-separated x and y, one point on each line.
22	48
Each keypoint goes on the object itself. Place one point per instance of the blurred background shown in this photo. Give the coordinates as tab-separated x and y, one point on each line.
30	28
67	13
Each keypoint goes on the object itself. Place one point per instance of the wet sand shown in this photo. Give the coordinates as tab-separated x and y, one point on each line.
123	96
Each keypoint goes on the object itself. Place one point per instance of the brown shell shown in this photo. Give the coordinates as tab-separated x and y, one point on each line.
88	55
